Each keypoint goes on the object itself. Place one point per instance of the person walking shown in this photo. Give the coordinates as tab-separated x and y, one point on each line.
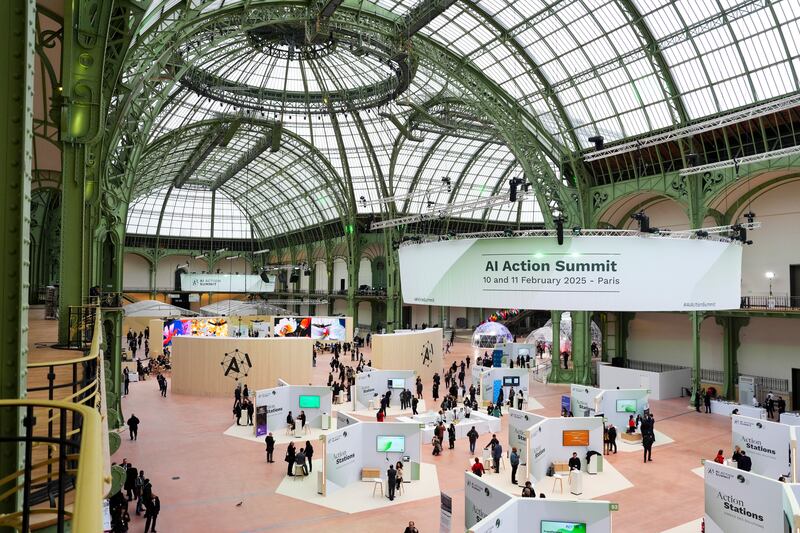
270	441
472	435
514	460
414	404
133	426
451	435
477	468
391	479
647	442
419	388
151	514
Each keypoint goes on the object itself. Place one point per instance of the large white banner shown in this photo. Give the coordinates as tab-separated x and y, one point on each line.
225	283
584	274
766	443
518	423
743	502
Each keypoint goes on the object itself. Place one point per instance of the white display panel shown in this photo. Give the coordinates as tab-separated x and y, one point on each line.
584	274
766	443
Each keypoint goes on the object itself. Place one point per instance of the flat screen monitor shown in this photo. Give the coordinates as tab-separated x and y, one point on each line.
511	381
391	444
551	526
575	437
397	383
309	402
626	406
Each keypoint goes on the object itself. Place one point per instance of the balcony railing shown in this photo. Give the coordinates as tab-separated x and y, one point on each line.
778	302
66	470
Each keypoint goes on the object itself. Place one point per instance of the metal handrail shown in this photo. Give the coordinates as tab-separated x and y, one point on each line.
87	508
56	475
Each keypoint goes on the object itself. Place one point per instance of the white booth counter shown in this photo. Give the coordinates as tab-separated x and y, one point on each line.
719	407
483	424
790	419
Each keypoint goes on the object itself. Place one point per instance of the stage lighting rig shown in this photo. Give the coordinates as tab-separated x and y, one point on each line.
598	142
740	234
514	183
750	216
559	222
701	234
644	222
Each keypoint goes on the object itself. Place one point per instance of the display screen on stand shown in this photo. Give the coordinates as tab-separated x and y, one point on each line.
391	444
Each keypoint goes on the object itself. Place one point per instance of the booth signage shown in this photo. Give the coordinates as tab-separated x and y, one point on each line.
480	499
584	274
225	283
742	502
766	443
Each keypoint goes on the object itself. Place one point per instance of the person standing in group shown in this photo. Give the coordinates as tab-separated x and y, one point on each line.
250	409
391	479
131	474
497	454
707	402
527	490
237	394
451	435
472	435
514	460
151	514
127	380
719	458
647	442
290	457
612	438
270	440
411	528
309	455
744	462
133	426
300	460
237	413
414	404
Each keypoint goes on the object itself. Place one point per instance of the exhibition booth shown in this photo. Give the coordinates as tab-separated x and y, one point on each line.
214	366
519	424
417	350
553	440
616	405
371	385
493	380
662	385
487	509
771	446
742	502
482	423
274	405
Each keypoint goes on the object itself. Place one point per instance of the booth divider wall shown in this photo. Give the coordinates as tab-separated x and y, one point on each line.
741	502
281	400
662	385
480	499
209	366
519	425
376	382
417	350
546	444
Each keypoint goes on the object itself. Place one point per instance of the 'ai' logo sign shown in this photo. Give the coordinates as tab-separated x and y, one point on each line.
236	364
427	353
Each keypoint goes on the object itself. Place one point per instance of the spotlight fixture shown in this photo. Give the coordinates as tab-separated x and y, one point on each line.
701	234
508	233
750	216
692	159
514	183
597	140
644	221
576	230
740	234
559	221
363	201
446	181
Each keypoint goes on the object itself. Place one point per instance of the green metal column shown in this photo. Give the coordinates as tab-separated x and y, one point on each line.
581	347
623	328
16	76
697	320
555	350
731	327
